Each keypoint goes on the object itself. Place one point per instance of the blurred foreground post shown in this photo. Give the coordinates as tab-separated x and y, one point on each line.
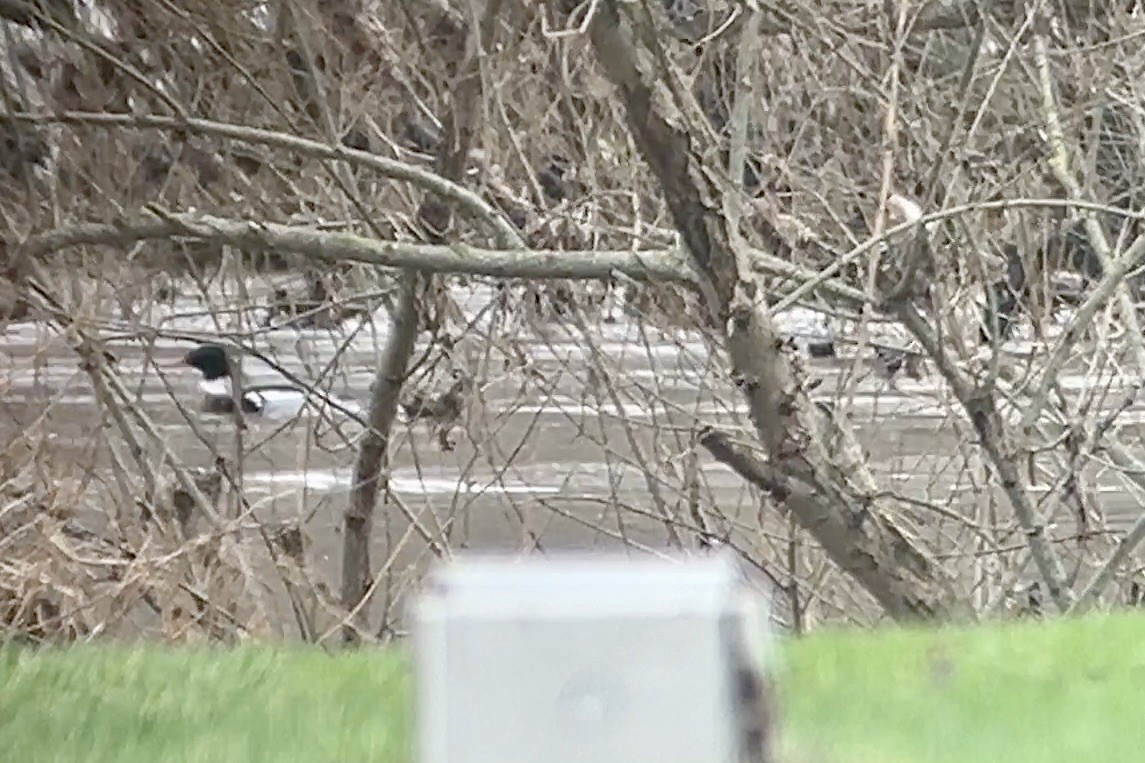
595	659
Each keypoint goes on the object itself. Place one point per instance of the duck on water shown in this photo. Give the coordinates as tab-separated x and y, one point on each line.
283	400
273	401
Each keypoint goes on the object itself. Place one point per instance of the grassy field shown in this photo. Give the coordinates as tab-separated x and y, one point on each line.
1060	691
1064	691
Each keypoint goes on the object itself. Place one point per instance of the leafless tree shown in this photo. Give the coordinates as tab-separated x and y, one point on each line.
555	250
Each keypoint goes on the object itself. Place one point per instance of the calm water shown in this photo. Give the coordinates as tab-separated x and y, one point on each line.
546	457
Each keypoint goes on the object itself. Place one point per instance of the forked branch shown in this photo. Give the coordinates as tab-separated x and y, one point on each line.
809	452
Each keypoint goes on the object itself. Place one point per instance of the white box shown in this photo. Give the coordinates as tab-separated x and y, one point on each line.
596	659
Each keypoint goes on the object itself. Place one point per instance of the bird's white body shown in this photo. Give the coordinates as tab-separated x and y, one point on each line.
279	400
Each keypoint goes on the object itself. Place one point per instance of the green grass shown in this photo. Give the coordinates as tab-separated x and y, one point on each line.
1061	691
1064	691
98	705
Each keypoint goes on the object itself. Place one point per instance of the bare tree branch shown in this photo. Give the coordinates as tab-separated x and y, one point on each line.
935	15
703	23
35	12
1059	161
947	14
416	287
980	405
329	246
979	402
835	532
1134	471
515	261
471	202
803	442
357	572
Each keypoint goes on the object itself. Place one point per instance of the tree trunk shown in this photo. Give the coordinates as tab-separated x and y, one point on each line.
436	217
813	467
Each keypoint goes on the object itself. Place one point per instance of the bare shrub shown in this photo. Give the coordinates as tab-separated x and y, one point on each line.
275	179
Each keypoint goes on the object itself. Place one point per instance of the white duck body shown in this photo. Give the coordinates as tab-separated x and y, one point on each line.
280	400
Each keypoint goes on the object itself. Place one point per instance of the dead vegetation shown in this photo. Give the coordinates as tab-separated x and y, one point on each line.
358	171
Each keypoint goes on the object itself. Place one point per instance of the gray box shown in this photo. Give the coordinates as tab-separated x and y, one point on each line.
596	659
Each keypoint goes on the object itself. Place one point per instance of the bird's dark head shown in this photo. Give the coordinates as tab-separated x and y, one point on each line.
210	359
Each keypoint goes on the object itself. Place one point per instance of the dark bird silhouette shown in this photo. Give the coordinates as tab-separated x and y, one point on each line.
552	178
1000	312
889	361
824	349
1066	249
